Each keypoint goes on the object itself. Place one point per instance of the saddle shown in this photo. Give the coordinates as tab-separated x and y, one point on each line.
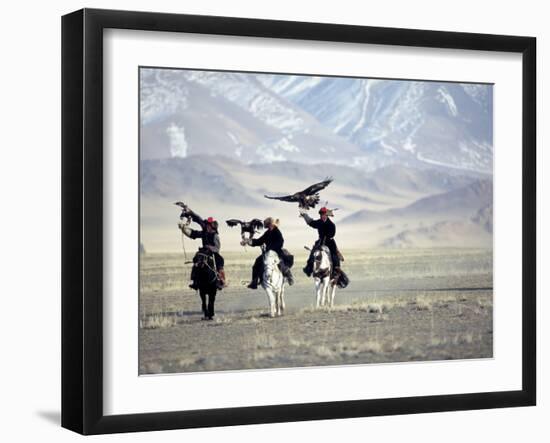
205	253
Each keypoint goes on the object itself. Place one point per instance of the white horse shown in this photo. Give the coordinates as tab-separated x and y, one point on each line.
274	283
325	287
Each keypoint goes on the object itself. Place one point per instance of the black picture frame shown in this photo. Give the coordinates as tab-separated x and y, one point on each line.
82	219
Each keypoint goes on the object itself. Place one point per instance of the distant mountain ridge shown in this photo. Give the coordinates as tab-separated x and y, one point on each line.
187	112
408	122
365	123
395	206
217	178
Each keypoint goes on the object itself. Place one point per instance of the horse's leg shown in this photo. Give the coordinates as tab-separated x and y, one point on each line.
282	305
328	293
280	292
280	300
318	291
211	301
203	300
270	300
332	293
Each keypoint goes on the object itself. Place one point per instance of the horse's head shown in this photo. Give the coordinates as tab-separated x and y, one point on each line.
271	259
206	267
205	260
321	259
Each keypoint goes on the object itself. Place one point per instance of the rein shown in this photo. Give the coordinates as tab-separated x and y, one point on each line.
205	262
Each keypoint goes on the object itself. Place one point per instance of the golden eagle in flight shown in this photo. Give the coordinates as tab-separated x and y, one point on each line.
251	227
307	198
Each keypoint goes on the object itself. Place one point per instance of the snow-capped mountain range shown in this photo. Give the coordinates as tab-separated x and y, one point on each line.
367	123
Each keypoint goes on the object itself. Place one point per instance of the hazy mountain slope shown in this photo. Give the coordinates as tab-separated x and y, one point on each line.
445	233
457	203
484	217
193	176
220	177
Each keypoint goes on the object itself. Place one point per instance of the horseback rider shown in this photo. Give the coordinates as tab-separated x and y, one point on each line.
272	240
210	245
326	230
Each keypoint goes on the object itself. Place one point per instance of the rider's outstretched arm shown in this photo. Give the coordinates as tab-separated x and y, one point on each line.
257	241
196	218
307	218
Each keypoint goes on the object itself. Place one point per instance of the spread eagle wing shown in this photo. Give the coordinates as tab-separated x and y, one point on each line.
313	189
181	205
233	222
286	198
256	223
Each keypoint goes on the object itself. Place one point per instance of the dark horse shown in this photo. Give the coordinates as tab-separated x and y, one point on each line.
206	274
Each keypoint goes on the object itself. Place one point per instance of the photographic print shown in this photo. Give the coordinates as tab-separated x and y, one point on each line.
292	220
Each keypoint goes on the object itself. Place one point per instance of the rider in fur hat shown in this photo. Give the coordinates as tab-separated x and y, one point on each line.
326	230
272	240
210	244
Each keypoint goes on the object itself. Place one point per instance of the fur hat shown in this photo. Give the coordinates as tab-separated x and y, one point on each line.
270	221
326	211
212	222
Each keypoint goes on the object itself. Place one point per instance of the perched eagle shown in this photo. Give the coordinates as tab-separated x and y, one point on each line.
252	227
307	198
184	209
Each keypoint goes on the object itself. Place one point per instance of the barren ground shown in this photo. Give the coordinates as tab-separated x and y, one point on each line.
401	305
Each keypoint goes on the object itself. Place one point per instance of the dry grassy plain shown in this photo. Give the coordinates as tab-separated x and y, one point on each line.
401	305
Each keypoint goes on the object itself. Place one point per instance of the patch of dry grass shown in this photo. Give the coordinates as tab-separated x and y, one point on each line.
423	303
355	348
458	339
374	306
157	321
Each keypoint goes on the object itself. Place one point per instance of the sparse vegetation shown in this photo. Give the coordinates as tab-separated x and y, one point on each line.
407	312
157	321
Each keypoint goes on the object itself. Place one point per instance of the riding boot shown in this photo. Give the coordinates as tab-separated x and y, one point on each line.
220	284
288	275
308	269
254	282
194	284
257	271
